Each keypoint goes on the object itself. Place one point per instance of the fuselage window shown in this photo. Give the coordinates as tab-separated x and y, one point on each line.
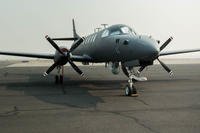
91	38
94	37
86	40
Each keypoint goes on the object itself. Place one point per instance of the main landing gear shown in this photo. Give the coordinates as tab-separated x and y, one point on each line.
60	75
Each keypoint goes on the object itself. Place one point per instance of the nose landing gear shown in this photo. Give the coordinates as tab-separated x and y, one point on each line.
130	90
133	76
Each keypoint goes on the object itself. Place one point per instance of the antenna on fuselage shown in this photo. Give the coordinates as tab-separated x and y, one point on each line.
97	29
104	25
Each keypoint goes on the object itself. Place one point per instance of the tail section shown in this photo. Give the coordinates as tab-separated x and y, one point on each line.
75	35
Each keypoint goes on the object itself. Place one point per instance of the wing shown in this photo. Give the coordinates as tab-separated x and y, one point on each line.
84	58
44	56
179	52
76	58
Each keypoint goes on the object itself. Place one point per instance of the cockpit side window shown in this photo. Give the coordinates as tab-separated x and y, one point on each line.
105	33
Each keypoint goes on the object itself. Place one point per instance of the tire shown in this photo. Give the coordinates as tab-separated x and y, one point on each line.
128	90
134	91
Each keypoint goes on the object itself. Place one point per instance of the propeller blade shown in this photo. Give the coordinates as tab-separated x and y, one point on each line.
50	69
141	69
166	43
54	44
76	44
166	67
75	67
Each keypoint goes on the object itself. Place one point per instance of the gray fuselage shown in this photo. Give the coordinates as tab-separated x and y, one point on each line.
118	43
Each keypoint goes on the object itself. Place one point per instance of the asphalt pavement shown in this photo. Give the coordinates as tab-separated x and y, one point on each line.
31	103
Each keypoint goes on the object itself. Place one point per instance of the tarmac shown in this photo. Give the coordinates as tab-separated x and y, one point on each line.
31	103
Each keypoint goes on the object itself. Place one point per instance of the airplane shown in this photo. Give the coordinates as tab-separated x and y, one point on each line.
114	45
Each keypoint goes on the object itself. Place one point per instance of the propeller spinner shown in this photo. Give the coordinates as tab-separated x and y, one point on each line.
63	57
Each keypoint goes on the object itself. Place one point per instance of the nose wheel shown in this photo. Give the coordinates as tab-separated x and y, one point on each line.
130	90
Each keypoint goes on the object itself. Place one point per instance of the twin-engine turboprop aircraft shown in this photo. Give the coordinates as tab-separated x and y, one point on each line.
115	45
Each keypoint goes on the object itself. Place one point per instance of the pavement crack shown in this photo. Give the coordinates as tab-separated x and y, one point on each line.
142	101
136	121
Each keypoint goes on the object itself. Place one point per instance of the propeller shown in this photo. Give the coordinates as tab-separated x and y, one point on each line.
54	44
162	63
165	67
63	58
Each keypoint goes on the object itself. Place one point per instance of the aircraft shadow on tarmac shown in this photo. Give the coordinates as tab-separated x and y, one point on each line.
78	93
73	93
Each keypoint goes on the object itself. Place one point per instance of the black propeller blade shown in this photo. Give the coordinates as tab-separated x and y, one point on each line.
50	69
166	43
54	44
76	44
76	68
141	69
165	67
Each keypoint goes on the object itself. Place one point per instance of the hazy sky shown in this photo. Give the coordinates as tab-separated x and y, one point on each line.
24	23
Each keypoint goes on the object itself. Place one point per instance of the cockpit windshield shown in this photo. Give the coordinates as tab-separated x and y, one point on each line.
127	30
118	31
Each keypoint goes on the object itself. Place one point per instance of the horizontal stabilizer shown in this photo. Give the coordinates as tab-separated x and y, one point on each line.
65	39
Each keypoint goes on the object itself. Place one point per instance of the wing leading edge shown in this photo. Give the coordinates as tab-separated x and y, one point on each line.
44	56
179	52
47	56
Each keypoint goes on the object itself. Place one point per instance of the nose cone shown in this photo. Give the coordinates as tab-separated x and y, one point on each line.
148	48
153	50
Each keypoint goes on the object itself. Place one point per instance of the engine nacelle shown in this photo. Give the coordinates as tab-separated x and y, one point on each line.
115	68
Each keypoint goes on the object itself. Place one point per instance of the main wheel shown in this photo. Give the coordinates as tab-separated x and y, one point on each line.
128	90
